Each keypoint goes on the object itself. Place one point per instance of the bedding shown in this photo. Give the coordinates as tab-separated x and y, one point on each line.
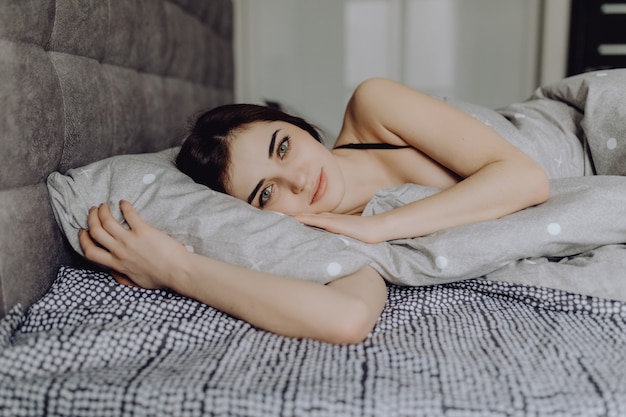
92	347
583	214
474	348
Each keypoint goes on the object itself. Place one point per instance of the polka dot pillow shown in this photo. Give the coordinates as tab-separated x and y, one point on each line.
209	223
582	214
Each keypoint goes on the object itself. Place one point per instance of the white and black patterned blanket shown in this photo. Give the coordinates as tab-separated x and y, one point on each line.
92	347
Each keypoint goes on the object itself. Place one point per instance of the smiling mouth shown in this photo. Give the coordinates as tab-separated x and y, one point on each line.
320	188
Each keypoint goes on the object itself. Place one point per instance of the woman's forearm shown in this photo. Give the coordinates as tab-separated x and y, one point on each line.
499	178
495	191
343	311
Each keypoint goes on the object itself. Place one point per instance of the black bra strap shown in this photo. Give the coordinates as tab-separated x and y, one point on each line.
370	146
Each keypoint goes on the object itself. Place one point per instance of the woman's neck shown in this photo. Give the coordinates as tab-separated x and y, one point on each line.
363	178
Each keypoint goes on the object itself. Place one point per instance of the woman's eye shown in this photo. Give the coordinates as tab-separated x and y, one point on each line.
283	148
265	196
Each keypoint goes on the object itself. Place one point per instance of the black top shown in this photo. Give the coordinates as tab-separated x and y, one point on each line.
371	146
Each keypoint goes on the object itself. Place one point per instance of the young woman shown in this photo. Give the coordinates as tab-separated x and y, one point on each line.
391	135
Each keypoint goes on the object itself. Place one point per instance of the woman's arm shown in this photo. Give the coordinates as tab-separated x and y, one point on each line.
497	178
344	311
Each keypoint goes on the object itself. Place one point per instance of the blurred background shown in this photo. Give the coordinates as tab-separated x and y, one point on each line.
308	55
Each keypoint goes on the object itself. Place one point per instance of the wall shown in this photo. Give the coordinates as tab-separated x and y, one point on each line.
291	51
309	55
555	40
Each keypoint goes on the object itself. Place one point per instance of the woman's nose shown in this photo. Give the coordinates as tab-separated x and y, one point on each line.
297	182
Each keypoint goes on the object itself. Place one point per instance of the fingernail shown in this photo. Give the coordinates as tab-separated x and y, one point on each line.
92	208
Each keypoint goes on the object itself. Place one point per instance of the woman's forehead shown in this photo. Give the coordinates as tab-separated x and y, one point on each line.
248	154
253	135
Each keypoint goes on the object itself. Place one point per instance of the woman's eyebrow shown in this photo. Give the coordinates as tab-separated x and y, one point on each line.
272	143
269	156
256	190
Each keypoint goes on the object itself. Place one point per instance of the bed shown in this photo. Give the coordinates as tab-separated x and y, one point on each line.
524	316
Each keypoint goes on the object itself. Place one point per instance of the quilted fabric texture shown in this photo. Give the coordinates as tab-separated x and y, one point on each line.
81	80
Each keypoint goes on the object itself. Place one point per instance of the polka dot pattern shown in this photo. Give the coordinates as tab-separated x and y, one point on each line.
554	229
611	144
148	179
334	269
441	262
97	348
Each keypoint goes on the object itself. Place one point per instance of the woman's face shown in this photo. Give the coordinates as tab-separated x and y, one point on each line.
278	166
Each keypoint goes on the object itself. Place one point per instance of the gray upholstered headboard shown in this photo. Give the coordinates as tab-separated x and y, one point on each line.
81	80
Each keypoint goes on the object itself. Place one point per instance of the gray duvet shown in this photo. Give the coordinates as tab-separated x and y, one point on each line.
574	128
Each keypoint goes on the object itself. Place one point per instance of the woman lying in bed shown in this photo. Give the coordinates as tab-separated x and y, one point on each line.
391	135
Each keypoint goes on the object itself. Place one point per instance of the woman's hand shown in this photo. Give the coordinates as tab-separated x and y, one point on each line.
368	229
140	255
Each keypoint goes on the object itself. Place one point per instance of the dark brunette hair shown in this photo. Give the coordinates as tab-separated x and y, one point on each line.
205	152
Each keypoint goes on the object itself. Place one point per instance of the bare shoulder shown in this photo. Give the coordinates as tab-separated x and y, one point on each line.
377	95
374	104
369	96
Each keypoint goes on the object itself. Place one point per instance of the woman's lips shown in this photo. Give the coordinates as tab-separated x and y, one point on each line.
320	189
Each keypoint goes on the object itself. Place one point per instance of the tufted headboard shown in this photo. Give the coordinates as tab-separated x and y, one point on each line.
81	80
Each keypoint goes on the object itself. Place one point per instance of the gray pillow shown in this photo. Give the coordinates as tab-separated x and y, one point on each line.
207	222
581	215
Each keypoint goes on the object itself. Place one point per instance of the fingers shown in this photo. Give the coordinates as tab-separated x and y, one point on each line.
302	217
110	223
112	245
101	225
364	228
317	220
93	252
130	214
103	237
101	256
123	279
